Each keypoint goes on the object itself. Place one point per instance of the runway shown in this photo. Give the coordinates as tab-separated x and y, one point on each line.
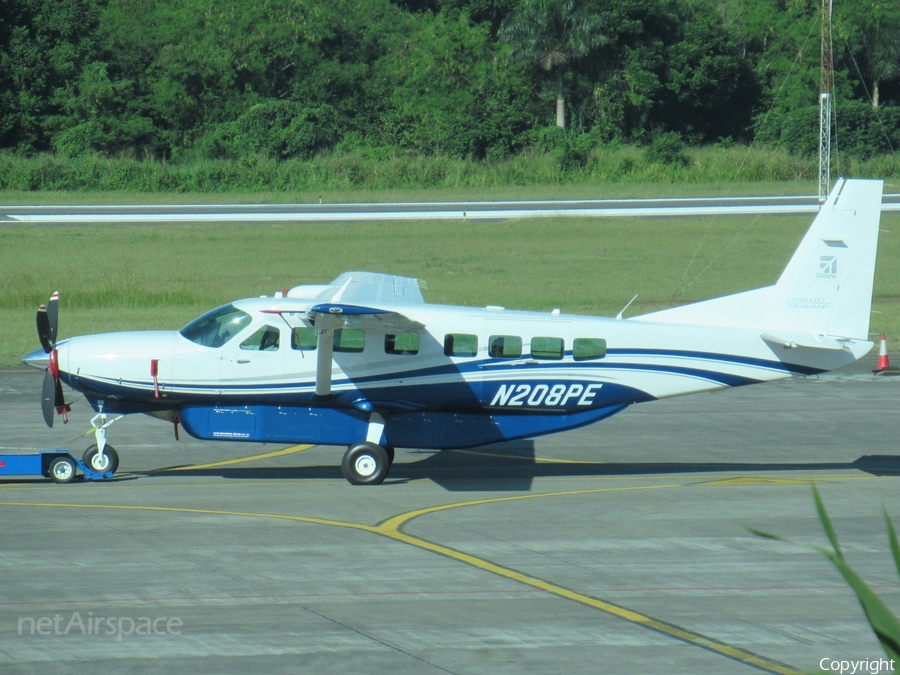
620	547
483	210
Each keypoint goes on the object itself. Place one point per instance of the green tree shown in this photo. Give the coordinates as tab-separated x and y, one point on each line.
44	44
100	115
780	38
553	33
179	72
276	129
871	29
669	66
448	95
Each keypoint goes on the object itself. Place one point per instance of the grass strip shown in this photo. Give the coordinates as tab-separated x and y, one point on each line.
161	276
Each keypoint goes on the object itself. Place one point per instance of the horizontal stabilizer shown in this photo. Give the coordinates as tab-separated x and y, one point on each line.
803	340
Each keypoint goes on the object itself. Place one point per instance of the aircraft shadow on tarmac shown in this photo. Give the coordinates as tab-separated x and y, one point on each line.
511	467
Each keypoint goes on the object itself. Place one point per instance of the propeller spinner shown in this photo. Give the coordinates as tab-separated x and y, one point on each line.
51	390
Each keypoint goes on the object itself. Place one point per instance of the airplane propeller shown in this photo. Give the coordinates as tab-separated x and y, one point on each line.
51	390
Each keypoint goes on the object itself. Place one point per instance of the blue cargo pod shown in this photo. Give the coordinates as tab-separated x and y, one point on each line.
58	465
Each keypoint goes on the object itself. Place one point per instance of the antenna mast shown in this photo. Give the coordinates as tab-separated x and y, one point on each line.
825	87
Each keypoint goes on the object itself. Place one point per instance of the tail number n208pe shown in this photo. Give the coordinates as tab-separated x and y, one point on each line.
556	395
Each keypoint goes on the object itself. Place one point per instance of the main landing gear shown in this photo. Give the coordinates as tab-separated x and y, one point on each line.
368	463
365	463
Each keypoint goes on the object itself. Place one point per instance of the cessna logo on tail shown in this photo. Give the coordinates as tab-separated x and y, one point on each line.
827	267
545	394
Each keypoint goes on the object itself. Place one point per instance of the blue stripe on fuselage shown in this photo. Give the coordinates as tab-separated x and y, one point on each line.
437	394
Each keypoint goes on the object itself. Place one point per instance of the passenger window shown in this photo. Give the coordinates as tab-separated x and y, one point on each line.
349	340
460	344
264	340
547	348
404	343
588	348
505	346
304	339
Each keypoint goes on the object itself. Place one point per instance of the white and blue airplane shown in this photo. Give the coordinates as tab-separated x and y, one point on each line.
365	362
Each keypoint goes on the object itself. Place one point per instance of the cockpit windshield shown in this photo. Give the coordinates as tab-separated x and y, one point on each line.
217	326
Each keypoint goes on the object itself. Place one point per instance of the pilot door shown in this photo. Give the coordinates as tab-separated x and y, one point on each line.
254	360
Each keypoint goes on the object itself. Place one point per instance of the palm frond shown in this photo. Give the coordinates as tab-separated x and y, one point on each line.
885	625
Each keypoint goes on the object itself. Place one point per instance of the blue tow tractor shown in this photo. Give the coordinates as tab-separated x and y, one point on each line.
57	465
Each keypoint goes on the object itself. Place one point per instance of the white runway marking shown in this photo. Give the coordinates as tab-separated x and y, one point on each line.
325	213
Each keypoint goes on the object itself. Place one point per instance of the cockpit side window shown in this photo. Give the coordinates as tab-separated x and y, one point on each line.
217	326
266	339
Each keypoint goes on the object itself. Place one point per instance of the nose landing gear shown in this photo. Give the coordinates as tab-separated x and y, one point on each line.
101	463
101	457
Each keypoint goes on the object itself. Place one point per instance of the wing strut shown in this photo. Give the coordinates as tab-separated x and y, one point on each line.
329	316
324	352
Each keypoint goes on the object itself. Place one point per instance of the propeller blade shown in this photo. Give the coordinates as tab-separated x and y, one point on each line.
52	399
53	316
43	329
59	402
48	397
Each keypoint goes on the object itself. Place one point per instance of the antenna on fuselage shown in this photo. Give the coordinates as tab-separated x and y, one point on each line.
619	315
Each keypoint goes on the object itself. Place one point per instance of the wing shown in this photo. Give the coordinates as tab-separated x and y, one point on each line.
332	315
355	300
371	288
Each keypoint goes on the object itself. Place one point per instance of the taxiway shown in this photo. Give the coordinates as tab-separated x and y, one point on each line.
620	547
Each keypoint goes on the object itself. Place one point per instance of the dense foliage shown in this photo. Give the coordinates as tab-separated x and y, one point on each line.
468	79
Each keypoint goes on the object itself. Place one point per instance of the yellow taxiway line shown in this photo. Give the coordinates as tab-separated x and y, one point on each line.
536	460
239	460
392	528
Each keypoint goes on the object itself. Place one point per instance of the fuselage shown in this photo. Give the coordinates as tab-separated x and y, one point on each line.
458	365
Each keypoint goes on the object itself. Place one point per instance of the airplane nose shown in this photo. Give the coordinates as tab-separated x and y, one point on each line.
37	359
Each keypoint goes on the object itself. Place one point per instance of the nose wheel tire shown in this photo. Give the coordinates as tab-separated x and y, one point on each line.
365	464
109	462
62	470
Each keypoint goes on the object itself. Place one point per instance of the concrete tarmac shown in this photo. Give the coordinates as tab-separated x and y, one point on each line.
618	548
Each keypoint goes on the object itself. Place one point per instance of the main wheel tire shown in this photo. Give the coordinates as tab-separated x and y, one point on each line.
365	464
389	449
92	460
62	470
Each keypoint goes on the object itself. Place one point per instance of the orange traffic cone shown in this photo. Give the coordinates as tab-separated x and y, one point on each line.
883	361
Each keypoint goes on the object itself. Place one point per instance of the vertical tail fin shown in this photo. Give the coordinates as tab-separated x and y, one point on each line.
826	288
